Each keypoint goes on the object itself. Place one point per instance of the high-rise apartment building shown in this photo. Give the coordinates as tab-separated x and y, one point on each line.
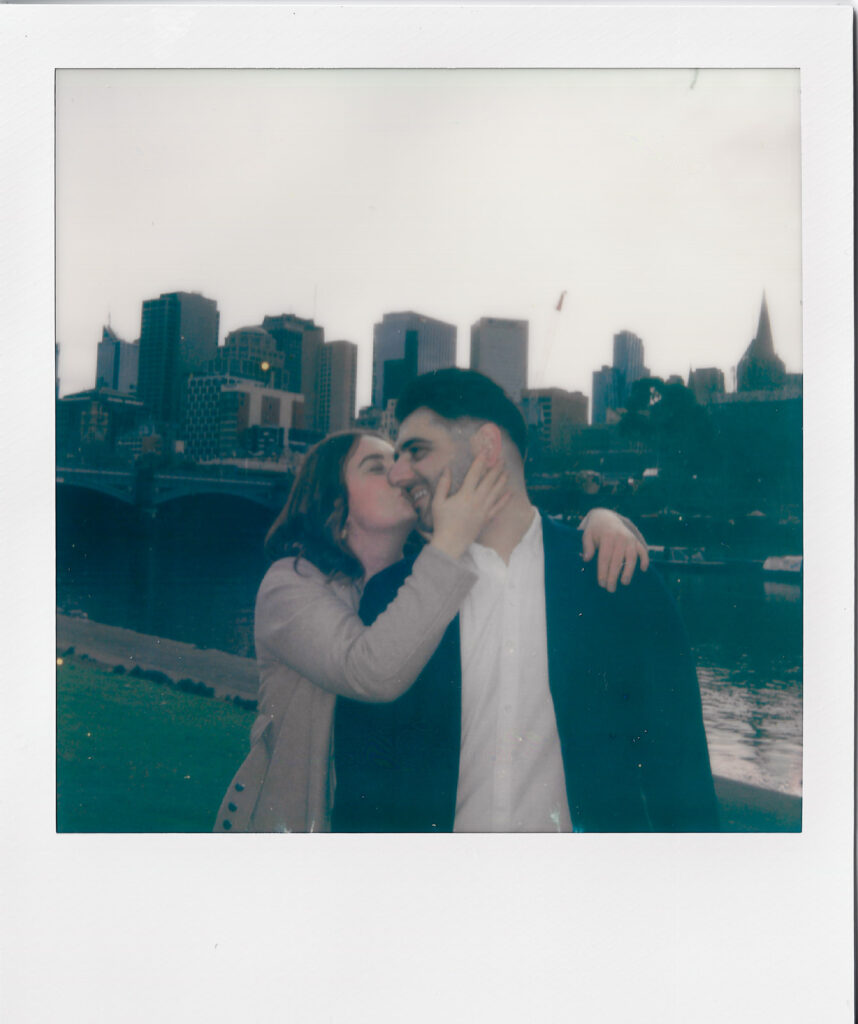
117	363
299	341
404	346
499	351
336	385
178	337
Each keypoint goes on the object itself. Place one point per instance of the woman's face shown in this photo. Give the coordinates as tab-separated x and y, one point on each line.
374	503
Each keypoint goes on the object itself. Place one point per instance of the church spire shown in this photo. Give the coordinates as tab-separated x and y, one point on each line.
764	346
759	368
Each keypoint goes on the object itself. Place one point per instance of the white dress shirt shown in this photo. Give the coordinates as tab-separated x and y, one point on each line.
511	775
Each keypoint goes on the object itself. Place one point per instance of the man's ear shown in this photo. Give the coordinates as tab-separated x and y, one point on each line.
488	440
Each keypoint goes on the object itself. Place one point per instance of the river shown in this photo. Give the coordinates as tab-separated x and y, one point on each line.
192	575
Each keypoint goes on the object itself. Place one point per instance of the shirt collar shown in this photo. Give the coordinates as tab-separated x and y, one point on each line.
486	558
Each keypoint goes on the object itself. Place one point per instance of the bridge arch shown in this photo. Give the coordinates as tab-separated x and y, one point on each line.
148	488
121	485
267	494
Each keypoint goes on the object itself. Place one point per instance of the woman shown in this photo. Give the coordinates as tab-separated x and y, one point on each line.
343	523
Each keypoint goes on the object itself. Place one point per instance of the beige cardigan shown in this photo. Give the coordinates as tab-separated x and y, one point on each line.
311	646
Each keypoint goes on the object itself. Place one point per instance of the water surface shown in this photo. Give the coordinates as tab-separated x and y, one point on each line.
192	575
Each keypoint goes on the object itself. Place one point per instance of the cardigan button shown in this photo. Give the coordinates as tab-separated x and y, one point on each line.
239	786
227	823
232	807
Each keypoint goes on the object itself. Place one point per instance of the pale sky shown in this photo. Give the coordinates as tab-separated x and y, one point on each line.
662	202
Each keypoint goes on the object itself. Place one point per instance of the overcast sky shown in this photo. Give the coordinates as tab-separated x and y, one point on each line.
662	202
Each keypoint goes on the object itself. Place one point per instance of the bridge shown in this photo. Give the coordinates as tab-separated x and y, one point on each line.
148	489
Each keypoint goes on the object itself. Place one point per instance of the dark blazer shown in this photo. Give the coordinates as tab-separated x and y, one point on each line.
625	697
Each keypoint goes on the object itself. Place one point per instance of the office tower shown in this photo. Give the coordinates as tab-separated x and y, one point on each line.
499	351
336	385
251	353
629	364
299	341
117	363
178	337
705	383
612	385
404	346
605	393
759	368
553	415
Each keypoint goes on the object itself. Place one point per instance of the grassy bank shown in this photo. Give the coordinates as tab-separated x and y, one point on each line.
136	756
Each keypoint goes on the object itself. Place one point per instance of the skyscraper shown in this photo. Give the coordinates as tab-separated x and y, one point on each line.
612	385
760	369
251	353
299	340
404	346
499	351
117	363
628	362
336	386
178	337
605	393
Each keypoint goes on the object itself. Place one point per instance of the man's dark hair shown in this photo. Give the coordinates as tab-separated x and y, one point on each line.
456	394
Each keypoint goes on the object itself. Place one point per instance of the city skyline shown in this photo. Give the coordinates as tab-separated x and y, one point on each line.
667	207
729	383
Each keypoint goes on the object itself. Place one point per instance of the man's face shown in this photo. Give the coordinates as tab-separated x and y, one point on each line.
425	446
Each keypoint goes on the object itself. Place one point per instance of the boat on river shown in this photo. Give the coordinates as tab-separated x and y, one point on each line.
785	567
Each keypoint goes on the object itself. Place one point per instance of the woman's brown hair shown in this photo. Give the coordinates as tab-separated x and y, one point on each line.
312	523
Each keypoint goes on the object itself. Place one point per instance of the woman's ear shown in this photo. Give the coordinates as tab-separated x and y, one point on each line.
488	440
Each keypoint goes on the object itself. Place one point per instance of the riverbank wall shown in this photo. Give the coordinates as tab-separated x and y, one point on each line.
227	674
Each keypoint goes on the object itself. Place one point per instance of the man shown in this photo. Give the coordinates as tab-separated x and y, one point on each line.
550	705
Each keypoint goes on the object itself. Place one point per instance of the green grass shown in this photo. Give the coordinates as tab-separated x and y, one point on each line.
136	756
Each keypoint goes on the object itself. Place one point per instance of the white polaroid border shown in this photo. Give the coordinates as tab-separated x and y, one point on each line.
328	928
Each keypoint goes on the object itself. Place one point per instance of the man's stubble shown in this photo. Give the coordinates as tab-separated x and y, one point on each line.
458	466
